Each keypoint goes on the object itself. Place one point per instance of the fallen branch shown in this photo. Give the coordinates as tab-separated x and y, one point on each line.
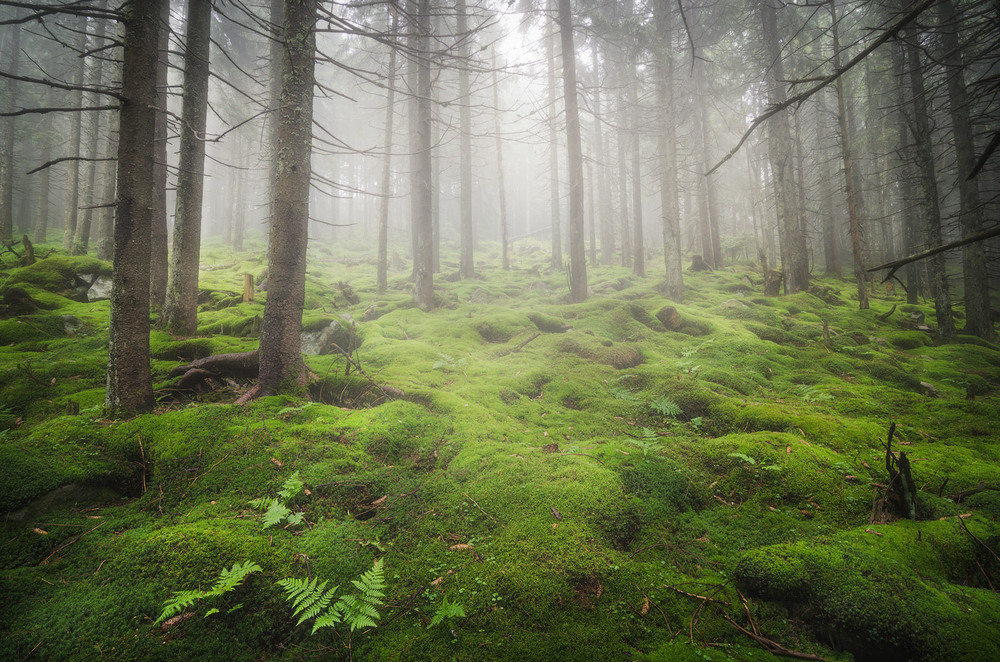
770	646
698	597
519	347
958	497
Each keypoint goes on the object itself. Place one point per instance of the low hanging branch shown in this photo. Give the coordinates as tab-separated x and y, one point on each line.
44	111
896	264
826	80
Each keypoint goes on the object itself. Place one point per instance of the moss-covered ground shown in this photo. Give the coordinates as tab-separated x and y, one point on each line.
584	481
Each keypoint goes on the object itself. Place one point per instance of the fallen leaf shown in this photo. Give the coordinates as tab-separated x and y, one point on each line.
645	606
460	547
307	492
556	513
180	618
873	531
380	501
851	479
865	464
808	513
40	532
788	450
277	462
437	581
550	448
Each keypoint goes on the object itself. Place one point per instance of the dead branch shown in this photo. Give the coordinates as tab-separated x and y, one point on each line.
770	646
896	264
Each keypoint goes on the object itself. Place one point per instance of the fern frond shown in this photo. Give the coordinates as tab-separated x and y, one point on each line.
230	579
291	487
308	597
327	620
276	512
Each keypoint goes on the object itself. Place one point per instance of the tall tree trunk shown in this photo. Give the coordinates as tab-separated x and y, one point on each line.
931	207
81	239
109	169
44	179
794	254
605	221
574	158
386	177
638	245
281	365
666	148
554	206
913	224
623	193
501	189
591	209
422	166
159	249
831	243
854	201
129	382
12	55
180	313
72	210
975	278
276	16
467	267
708	214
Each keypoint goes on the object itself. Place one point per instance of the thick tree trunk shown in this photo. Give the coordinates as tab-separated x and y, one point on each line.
975	278
854	201
12	54
831	242
109	169
467	267
159	261
574	158
383	202
667	152
129	383
281	365
276	15
180	312
794	254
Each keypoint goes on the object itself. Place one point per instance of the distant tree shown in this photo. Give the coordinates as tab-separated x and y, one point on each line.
574	157
159	261
129	382
554	205
11	56
421	166
386	183
71	213
666	147
501	187
467	267
180	312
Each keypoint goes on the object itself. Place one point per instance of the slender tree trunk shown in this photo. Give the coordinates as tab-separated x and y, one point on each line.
638	244
422	167
281	365
180	313
603	186
708	213
931	207
854	201
623	193
72	211
129	382
666	148
794	254
159	249
591	208
467	267
554	206
44	178
913	224
12	55
81	238
574	158
975	278
504	240
831	243
386	178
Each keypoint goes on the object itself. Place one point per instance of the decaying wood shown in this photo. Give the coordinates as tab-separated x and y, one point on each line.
958	497
770	646
900	492
239	364
520	346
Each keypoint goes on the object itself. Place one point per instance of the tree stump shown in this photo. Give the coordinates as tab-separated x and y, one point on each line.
247	287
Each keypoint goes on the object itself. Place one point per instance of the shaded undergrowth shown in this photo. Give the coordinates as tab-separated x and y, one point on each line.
610	478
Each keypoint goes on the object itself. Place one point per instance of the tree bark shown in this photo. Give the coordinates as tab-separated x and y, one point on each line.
281	365
975	278
604	213
794	254
159	260
44	179
180	312
554	206
129	382
638	244
422	166
831	242
574	158
467	267
71	212
383	202
12	55
667	152
501	189
854	201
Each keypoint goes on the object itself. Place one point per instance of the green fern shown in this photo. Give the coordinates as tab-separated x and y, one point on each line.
275	510
666	407
311	599
228	581
447	611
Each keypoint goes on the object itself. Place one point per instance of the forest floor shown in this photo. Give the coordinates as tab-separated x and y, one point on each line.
542	481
